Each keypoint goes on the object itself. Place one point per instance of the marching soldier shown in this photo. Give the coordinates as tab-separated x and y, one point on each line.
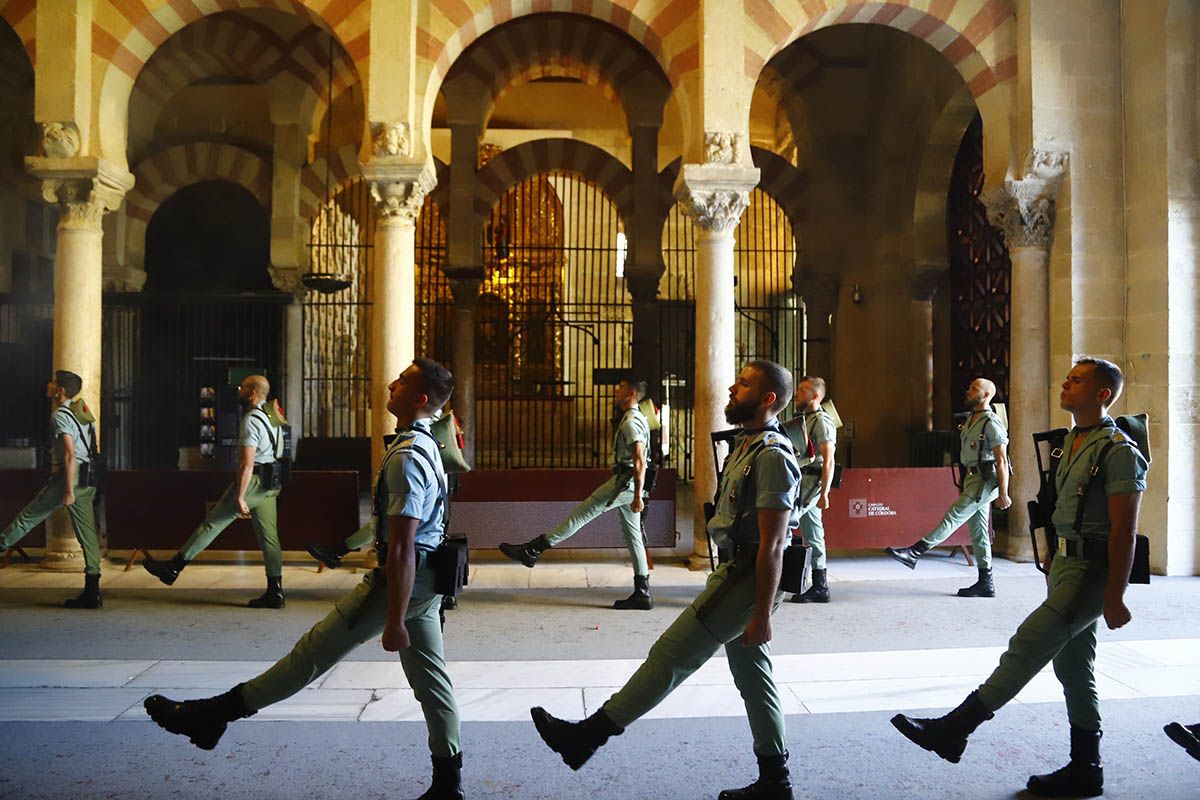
815	458
1087	581
623	491
396	599
74	433
754	516
984	452
253	492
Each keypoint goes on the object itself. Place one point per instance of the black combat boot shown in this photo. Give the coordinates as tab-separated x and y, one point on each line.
1186	736
447	779
526	553
818	592
640	600
272	597
1081	777
329	556
202	721
946	736
984	587
576	742
774	782
908	555
165	571
89	597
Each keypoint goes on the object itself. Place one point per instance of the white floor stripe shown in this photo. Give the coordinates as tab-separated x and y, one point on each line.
822	683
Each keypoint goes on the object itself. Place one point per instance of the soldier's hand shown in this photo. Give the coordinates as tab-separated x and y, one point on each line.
69	498
757	632
395	638
1116	613
636	505
243	509
1003	501
823	501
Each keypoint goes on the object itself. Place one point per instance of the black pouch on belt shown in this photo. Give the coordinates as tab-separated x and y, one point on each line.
451	564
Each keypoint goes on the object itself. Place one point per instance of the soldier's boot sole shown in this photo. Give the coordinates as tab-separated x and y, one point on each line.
1183	736
1070	781
519	553
903	555
201	729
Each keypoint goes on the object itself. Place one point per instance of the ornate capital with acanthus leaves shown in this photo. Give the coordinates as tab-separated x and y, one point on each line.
399	189
84	187
715	195
1024	209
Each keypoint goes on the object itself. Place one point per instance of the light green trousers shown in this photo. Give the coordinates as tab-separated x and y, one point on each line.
971	507
1063	630
262	516
812	525
692	640
595	505
82	513
359	617
362	537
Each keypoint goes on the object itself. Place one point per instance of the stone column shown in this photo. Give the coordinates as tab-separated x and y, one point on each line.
1024	209
714	196
84	189
399	188
820	295
922	287
644	267
465	287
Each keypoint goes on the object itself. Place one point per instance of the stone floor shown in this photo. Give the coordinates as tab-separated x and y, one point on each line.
71	686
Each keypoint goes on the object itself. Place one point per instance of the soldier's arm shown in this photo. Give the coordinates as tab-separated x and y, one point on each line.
639	475
827	450
773	531
70	467
1000	451
1123	514
245	471
401	569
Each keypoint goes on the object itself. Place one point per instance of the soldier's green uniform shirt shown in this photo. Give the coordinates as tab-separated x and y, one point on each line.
407	486
256	430
719	615
1063	628
979	436
616	492
82	512
412	484
817	428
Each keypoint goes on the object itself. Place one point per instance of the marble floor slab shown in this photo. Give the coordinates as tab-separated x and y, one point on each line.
55	705
199	674
82	674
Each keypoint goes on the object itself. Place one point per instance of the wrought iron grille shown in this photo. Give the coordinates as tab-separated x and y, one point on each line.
980	276
26	346
770	318
553	315
435	304
337	326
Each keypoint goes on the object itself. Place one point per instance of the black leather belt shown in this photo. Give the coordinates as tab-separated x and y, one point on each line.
1084	548
811	471
263	470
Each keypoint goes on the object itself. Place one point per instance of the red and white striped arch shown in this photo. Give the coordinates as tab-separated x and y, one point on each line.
126	35
342	168
19	14
166	172
547	155
979	37
666	28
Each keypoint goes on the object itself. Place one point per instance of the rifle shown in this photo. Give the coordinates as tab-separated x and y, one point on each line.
1042	509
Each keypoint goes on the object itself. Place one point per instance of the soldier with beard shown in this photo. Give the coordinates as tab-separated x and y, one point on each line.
251	493
754	516
984	453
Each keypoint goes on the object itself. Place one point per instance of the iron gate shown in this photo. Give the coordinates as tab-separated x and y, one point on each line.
980	276
769	318
554	326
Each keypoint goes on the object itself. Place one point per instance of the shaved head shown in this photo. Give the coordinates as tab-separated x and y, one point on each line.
257	384
987	386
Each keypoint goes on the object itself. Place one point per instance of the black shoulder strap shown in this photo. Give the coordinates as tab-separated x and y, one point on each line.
443	497
91	440
747	474
1093	475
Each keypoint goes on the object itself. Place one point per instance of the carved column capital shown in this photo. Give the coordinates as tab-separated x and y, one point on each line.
1024	209
642	284
715	195
85	188
399	187
464	286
